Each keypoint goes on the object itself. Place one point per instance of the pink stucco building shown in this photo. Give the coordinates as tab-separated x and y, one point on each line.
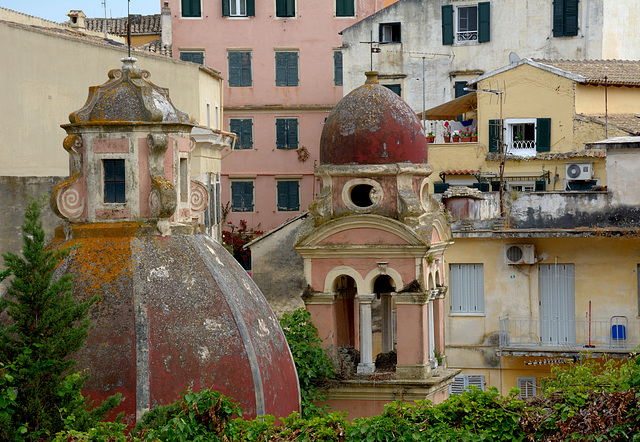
282	62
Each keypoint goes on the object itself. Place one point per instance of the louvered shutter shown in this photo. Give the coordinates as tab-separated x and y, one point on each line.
245	68
281	133
447	25
570	17
337	68
457	386
527	387
226	10
558	18
281	68
247	133
543	134
234	69
484	22
292	69
292	139
251	8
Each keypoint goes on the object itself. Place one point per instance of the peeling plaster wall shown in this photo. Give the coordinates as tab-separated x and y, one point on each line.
606	31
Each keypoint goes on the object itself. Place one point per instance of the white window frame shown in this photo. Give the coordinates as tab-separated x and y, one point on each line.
477	309
237	4
526	151
528	387
463	37
462	382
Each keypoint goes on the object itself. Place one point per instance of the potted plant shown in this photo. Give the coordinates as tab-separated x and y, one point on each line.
447	136
474	136
455	137
430	137
465	135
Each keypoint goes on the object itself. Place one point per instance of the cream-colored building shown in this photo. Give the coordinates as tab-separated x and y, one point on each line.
47	70
549	270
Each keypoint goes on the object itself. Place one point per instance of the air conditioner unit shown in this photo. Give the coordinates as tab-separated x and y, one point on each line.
520	254
579	171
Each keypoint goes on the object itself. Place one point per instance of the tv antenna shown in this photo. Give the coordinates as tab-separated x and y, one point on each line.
374	50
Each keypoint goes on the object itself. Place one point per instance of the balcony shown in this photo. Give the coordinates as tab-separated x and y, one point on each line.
617	334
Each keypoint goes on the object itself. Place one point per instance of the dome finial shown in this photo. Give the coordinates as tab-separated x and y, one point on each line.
372	77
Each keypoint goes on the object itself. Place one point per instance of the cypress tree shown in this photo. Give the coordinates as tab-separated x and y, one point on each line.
41	326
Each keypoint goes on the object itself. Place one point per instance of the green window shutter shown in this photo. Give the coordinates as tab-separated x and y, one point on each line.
494	135
380	33
283	194
247	133
226	10
570	17
543	134
458	88
281	133
558	18
246	68
484	22
291	8
447	25
191	8
285	8
396	88
251	8
340	4
292	69
337	68
293	134
235	126
242	196
541	186
234	68
281	68
288	195
345	8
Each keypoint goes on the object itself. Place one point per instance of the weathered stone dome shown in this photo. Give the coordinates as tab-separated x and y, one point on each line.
175	309
372	125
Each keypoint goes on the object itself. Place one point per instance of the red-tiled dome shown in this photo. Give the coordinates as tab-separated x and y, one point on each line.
372	125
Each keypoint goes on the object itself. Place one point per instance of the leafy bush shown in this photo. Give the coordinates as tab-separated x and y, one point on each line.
312	362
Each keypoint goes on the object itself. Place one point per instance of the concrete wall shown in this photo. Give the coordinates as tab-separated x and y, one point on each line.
48	77
606	31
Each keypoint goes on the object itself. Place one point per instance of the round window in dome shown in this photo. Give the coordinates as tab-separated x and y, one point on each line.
362	194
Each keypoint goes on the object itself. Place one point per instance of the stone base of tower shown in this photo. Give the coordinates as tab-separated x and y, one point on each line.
366	398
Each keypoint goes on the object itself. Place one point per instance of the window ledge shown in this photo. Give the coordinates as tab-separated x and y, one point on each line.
480	315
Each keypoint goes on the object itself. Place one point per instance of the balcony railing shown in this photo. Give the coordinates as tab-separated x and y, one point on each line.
601	334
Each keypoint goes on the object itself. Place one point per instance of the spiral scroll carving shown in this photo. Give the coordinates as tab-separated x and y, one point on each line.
199	197
70	203
154	202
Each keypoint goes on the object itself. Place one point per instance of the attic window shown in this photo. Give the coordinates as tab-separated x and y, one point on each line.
114	182
362	195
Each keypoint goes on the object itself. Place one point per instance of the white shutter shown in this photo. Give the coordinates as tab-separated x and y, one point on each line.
527	387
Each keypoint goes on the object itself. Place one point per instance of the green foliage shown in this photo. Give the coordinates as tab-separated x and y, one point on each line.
312	362
40	394
158	417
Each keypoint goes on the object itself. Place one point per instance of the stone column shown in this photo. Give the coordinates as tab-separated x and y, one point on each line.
366	364
387	322
321	307
432	357
438	320
412	335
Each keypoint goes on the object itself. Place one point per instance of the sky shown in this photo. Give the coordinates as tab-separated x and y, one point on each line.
56	10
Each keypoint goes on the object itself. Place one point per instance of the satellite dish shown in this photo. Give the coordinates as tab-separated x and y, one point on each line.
513	58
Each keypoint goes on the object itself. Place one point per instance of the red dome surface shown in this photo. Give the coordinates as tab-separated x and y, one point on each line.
372	125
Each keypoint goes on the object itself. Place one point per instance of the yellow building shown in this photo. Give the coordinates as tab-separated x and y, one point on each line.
547	268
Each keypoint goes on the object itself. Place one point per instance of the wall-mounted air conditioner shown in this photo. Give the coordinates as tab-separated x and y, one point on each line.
520	254
579	171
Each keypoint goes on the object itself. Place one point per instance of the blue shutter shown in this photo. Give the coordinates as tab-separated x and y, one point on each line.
281	133
226	10
251	8
447	25
494	135
570	17
337	68
543	134
292	135
281	68
234	69
484	22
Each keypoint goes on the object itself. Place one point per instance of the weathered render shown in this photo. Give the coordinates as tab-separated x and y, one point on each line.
514	29
174	310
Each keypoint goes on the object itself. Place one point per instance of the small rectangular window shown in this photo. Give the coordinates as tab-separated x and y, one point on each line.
467	24
466	283
397	88
242	196
462	382
114	181
240	69
287	133
238	8
565	18
192	56
243	128
389	33
345	8
527	387
191	8
286	68
337	68
285	8
288	196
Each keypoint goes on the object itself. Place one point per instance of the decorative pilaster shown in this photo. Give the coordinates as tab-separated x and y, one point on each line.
366	364
322	308
413	335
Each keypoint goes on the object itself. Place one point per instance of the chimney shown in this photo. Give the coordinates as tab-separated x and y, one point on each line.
166	25
77	19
